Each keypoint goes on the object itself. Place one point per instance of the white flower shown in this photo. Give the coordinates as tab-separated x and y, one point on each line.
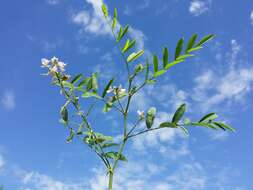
45	62
110	90
141	114
61	66
53	70
122	91
54	60
119	90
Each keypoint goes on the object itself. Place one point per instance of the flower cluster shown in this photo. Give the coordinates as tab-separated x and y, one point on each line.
117	90
54	66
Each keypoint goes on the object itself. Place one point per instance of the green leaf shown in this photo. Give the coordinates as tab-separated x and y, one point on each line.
173	63
114	22
119	34
94	81
67	84
80	129
191	42
64	114
224	126
91	94
179	48
129	44
105	10
147	70
76	78
108	145
155	62
83	82
115	156
165	56
135	56
115	14
203	125
151	81
150	117
179	113
89	84
194	49
184	56
107	87
205	39
122	33
168	125
208	117
158	73
139	68
100	138
71	135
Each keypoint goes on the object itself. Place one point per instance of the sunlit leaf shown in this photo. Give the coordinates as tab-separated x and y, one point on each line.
129	44
122	33
194	49
105	10
158	73
173	63
134	56
91	94
94	81
184	56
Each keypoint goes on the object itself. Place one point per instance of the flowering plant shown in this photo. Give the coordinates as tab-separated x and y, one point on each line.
78	88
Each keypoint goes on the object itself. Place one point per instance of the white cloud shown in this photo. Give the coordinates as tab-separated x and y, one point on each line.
198	7
189	177
37	181
8	100
221	135
53	2
228	86
2	162
251	17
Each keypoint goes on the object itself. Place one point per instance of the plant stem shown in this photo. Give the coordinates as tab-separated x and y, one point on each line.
110	180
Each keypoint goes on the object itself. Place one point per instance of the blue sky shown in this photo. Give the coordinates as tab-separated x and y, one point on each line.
33	152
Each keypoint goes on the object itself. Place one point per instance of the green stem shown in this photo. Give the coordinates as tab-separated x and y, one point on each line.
110	180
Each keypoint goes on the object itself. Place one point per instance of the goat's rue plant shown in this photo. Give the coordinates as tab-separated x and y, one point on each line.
78	88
